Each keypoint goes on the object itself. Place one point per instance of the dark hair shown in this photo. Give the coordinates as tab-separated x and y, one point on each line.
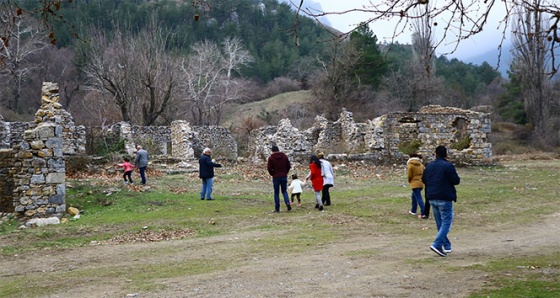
441	151
314	159
274	148
126	159
294	176
411	155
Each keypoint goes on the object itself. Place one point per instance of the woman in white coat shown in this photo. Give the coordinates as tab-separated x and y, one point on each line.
328	178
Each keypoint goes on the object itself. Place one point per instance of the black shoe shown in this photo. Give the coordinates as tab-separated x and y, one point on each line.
210	199
327	204
316	205
437	251
289	207
320	208
202	199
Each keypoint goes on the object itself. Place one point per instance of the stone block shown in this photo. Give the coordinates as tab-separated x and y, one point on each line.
56	199
37	179
25	155
54	143
45	131
56	178
45	153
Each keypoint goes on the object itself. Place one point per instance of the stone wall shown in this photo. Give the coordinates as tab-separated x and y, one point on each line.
33	169
12	132
6	181
180	140
382	139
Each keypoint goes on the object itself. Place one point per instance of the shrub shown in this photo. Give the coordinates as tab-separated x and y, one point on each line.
409	147
462	144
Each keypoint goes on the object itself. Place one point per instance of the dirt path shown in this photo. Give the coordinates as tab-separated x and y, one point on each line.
363	264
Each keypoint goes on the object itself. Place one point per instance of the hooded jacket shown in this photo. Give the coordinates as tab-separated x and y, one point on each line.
278	165
414	172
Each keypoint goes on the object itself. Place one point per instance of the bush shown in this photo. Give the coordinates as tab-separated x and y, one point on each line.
410	147
462	144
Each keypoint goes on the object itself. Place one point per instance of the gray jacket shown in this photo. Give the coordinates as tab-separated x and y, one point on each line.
142	159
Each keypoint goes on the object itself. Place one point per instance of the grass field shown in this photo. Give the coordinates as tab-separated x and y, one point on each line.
365	198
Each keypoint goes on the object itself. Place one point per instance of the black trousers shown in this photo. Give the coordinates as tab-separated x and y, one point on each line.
326	196
126	175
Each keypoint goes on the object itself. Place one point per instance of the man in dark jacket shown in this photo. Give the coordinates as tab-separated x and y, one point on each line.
440	178
278	166
206	173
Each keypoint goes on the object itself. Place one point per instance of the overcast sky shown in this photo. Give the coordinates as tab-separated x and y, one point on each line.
487	40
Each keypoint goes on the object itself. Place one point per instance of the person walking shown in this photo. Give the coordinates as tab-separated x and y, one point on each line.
206	174
415	168
141	162
316	180
328	178
127	167
296	188
440	178
278	166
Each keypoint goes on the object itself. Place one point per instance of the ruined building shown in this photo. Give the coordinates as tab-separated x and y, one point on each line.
388	138
32	155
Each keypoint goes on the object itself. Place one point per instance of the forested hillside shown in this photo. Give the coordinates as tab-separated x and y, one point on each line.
152	62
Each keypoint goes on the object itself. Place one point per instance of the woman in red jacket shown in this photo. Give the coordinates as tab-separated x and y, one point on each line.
316	180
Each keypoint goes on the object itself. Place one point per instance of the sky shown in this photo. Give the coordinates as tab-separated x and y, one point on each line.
486	41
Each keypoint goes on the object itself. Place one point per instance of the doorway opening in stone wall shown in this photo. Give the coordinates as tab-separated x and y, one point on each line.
461	138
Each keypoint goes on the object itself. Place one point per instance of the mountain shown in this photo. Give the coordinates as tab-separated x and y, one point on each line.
312	6
500	60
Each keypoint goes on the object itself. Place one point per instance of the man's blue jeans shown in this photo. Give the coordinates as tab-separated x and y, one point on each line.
143	175
443	214
417	200
280	183
206	190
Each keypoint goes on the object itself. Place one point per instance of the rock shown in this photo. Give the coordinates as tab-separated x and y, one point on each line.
73	211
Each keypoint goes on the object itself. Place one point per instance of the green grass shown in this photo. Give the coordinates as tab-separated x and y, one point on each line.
512	194
537	276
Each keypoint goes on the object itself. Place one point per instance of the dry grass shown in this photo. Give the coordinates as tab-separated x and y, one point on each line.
273	106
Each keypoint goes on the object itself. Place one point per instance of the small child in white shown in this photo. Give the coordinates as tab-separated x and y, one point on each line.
296	188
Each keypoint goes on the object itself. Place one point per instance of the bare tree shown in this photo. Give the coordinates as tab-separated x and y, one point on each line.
453	20
423	82
11	12
108	69
532	64
26	42
333	85
137	71
209	80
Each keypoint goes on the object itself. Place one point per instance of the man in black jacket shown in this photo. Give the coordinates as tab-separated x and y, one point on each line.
440	178
206	173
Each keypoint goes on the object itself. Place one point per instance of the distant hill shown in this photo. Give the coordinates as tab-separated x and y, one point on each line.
271	106
491	57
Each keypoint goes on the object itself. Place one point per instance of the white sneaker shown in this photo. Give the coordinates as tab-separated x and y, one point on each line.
447	250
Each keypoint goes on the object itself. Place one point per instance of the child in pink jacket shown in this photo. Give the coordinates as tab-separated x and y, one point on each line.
127	170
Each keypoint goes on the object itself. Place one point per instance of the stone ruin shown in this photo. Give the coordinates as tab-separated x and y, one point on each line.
32	175
384	139
180	141
32	155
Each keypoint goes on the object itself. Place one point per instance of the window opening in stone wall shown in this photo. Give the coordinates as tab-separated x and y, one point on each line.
408	135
